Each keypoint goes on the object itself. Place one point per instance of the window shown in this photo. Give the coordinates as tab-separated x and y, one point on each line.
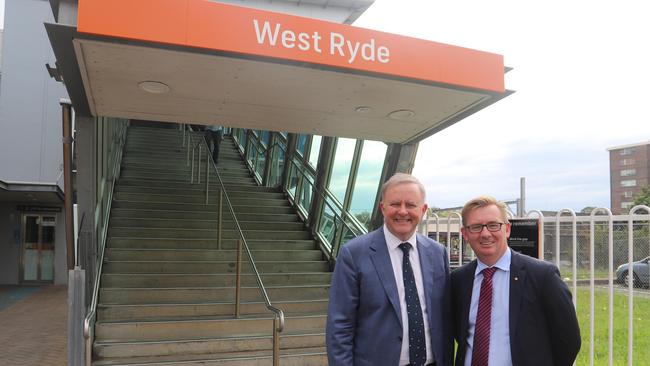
367	182
628	194
628	172
301	144
315	150
628	162
626	205
628	183
627	151
341	169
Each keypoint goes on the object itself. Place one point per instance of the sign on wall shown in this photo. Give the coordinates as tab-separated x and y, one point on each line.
524	236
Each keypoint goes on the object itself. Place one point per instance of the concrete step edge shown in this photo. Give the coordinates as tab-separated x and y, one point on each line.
212	319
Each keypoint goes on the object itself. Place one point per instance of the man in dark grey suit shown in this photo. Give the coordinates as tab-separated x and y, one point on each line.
390	296
509	309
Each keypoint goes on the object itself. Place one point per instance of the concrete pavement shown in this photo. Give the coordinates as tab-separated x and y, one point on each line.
33	326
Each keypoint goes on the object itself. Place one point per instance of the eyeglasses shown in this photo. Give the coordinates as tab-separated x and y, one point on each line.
491	226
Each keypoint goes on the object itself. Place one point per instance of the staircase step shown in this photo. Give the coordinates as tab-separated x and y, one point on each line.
180	176
137	214
206	346
122	254
203	328
212	267
180	186
294	357
125	312
226	224
198	197
146	232
170	243
166	280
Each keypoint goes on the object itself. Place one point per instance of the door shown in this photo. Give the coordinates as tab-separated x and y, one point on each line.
38	248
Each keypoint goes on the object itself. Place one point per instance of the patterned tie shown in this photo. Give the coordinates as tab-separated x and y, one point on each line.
417	348
481	347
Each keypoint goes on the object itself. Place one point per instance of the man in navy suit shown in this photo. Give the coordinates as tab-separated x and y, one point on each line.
531	320
390	294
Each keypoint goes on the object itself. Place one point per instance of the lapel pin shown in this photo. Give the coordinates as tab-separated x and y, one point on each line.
516	278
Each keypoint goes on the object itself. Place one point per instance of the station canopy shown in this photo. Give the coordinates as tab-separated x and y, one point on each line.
204	62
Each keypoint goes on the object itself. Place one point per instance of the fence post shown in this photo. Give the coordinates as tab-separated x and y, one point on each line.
460	237
630	303
592	243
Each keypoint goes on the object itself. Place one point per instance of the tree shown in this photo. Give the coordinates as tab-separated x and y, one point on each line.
587	210
643	197
364	218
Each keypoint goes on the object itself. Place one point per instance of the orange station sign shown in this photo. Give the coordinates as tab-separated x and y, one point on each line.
222	27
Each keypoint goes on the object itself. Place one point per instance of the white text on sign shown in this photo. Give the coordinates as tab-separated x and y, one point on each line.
338	45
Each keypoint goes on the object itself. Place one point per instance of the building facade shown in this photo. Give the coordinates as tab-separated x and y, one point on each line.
629	172
32	235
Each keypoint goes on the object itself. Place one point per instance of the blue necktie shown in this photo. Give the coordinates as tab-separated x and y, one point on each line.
417	347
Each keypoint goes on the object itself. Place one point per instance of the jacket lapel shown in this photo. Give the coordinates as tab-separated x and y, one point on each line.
517	281
426	267
467	277
381	260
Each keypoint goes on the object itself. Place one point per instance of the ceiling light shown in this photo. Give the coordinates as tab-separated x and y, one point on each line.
401	114
153	87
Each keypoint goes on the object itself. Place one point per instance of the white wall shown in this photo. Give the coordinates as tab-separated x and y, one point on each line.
30	117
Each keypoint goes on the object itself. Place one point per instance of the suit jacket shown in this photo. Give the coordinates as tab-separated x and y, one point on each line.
543	324
364	324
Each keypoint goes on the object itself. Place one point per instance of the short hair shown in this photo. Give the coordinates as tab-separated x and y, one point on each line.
483	201
402	178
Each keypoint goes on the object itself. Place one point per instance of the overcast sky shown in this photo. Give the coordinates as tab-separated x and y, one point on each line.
581	80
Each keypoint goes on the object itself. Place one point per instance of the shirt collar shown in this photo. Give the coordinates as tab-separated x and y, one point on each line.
503	263
393	242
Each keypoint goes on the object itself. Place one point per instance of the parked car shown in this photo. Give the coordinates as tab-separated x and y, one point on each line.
640	273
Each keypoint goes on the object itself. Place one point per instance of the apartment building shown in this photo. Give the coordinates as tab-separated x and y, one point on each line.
629	172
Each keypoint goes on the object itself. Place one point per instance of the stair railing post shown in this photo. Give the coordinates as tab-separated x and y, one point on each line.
220	220
238	279
198	164
207	174
183	128
189	142
276	340
192	169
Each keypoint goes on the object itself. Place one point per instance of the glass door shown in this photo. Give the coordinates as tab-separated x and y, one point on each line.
38	248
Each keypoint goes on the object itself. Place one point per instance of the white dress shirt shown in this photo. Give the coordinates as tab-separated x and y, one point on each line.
396	259
500	321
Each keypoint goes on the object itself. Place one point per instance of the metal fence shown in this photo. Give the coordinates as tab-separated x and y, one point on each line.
593	253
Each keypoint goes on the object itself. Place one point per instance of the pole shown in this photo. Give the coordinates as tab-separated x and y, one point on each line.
66	108
522	197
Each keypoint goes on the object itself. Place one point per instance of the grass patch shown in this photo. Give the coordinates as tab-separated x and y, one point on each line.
585	273
641	324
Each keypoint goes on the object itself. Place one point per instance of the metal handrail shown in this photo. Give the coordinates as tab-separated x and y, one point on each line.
278	319
90	317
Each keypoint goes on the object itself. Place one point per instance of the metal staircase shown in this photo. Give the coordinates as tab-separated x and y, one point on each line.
167	294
